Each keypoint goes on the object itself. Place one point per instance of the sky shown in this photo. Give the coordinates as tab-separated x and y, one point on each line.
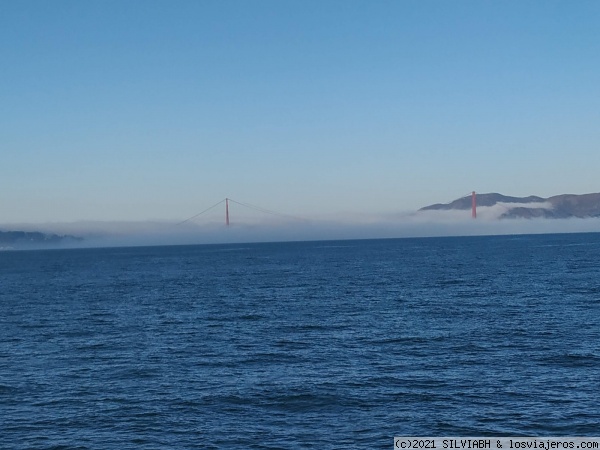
155	110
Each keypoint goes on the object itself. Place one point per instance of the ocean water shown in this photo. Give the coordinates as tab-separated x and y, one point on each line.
300	345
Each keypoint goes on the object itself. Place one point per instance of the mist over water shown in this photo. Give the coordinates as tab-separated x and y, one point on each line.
399	225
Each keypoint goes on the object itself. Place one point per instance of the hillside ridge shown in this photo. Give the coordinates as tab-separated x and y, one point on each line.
561	206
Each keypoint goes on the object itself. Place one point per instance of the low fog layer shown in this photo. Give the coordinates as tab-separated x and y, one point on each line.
402	225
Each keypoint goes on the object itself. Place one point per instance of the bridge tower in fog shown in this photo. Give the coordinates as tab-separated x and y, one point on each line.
227	211
473	205
246	205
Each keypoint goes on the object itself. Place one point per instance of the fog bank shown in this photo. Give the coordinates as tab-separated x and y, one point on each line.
398	225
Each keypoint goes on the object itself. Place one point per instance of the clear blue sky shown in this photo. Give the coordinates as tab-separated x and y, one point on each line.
135	110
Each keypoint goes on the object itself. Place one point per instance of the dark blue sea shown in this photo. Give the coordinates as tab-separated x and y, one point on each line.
300	345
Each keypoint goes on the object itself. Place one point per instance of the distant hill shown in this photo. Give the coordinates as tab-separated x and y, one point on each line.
557	207
20	239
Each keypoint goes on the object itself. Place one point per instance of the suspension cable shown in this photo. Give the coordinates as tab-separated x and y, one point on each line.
201	212
266	211
247	205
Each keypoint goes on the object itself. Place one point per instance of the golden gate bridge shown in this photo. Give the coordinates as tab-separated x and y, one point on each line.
227	201
473	196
